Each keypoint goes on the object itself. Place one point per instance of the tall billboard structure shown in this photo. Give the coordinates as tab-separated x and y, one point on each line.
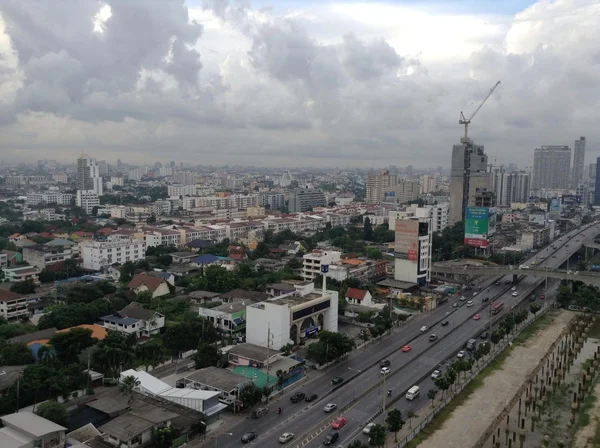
477	226
407	239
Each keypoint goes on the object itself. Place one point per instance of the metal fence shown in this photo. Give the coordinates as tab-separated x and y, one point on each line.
483	363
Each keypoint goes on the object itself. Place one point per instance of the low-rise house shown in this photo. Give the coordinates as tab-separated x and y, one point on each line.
200	297
205	260
8	258
151	322
227	383
268	264
22	273
142	282
357	296
229	318
166	276
26	430
241	295
125	325
183	257
13	306
292	247
280	289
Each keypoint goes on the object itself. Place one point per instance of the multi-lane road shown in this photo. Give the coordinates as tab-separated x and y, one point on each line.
363	392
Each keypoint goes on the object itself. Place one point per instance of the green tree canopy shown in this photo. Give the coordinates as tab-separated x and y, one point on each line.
207	355
69	344
54	411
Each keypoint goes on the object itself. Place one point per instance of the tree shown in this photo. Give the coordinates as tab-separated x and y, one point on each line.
394	422
207	355
431	393
496	337
15	354
126	272
377	435
357	444
151	353
374	254
54	411
367	230
409	415
330	346
250	395
69	344
442	383
163	437
24	287
294	264
128	385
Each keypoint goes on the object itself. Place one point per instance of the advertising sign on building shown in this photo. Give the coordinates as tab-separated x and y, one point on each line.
554	205
407	239
476	226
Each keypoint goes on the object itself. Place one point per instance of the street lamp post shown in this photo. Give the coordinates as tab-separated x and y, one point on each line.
354	388
222	434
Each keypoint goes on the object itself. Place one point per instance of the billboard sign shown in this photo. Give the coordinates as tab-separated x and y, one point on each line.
476	226
554	205
406	244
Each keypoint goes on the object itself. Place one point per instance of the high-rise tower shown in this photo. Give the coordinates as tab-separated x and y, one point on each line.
578	161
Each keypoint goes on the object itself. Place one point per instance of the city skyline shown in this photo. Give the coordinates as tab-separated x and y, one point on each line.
326	85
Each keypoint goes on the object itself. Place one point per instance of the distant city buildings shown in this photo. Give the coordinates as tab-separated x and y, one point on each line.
578	162
510	187
386	187
597	183
428	184
273	201
301	200
87	200
88	175
551	167
470	183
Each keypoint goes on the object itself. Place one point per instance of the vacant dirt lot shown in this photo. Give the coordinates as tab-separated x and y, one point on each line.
468	422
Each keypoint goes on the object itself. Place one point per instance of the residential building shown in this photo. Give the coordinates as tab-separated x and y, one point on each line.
162	237
177	191
402	192
88	175
150	321
469	177
119	212
272	201
301	200
437	213
355	296
312	262
376	182
60	178
292	318
510	187
578	162
185	177
428	184
155	285
592	171
100	254
412	250
87	200
49	198
27	430
225	382
13	306
587	195
21	273
228	319
43	255
551	167
8	258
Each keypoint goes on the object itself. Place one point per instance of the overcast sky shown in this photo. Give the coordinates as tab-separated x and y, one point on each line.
295	82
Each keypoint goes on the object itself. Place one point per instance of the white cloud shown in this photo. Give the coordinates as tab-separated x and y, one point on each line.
334	84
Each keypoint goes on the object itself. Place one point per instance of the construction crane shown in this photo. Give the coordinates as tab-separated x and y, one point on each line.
466	121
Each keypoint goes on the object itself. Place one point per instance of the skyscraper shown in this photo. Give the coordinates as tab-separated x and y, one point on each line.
384	186
578	161
551	167
469	177
88	175
510	187
597	183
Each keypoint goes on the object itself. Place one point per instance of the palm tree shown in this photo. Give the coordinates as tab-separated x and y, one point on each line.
128	384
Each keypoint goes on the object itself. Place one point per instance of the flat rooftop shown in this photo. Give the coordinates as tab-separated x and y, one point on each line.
252	351
297	300
216	378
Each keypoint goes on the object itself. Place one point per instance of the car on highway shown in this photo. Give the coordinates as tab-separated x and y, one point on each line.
286	437
384	371
258	413
515	294
249	437
339	422
367	429
436	374
496	282
406	348
330	407
311	397
424	328
461	354
337	380
330	439
433	337
485	299
444	323
474	294
462	298
298	397
484	335
384	363
470	303
476	316
514	288
455	305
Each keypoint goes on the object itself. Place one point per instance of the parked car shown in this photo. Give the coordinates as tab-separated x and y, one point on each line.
337	380
330	439
339	422
297	397
286	437
462	298
311	397
249	437
461	354
329	407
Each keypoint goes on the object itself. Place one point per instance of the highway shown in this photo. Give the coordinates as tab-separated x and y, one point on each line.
306	420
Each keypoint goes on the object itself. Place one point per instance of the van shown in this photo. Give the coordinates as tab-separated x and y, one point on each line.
471	344
413	393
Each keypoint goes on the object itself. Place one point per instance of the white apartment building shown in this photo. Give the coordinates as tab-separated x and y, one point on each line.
428	184
87	200
165	171
21	273
437	213
49	198
119	212
185	177
177	191
312	262
212	233
98	255
162	237
13	306
61	178
338	219
412	251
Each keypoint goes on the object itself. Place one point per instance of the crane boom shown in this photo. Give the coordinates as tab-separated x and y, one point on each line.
467	121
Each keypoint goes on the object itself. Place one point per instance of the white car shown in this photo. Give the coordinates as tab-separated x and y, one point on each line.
514	288
515	294
424	328
461	354
462	298
286	437
475	293
385	371
329	407
470	303
436	374
367	428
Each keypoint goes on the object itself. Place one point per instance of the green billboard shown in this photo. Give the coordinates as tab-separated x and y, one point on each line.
476	226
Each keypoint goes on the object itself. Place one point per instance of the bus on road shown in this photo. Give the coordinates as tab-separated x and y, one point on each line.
497	307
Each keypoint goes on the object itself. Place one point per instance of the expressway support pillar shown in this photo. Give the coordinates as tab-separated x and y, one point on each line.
515	278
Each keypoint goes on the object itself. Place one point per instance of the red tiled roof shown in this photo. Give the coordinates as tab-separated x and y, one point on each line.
15	235
105	231
152	283
356	294
6	296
